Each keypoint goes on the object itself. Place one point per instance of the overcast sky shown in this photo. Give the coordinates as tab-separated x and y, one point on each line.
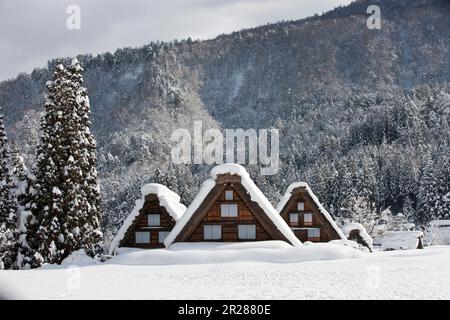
34	31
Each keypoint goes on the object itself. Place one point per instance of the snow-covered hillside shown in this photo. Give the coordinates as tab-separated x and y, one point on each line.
410	274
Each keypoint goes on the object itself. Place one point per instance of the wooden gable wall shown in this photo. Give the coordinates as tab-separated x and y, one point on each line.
209	213
141	224
229	225
319	221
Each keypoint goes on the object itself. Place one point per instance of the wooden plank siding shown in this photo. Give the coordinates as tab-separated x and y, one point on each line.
300	229
151	206
229	225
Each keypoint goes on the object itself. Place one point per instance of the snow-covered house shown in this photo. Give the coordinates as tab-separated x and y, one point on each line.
307	218
230	208
151	220
402	240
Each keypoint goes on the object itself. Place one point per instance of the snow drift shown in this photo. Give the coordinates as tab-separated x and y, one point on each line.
213	253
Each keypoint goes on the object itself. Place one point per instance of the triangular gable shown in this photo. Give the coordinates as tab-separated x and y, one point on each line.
261	208
288	197
169	202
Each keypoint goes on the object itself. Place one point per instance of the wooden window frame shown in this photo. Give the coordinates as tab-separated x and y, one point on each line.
313	229
227	214
294	223
246	226
142	232
308	223
213	226
227	192
153	225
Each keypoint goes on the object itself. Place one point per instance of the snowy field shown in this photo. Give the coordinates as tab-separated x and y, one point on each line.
242	273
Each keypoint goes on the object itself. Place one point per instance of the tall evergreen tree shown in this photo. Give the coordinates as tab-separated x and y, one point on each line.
86	223
65	198
8	205
428	197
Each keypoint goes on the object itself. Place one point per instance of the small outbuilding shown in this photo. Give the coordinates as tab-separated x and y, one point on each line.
356	232
402	240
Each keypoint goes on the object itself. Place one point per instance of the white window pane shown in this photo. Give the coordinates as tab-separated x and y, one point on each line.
251	231
228	210
224	210
300	206
247	232
212	232
293	218
207	232
217	232
314	233
142	237
162	235
229	195
307	217
242	232
153	220
233	210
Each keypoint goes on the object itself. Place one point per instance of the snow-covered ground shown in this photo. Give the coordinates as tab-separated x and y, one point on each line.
409	274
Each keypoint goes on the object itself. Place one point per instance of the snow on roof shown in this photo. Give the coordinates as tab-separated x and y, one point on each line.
288	195
255	195
167	199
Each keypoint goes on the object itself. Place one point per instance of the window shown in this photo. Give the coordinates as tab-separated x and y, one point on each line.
314	233
153	220
228	210
247	232
142	237
300	206
308	219
229	195
212	232
293	218
162	235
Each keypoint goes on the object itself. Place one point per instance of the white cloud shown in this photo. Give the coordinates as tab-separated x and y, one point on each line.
33	32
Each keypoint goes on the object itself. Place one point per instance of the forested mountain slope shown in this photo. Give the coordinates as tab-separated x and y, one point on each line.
363	114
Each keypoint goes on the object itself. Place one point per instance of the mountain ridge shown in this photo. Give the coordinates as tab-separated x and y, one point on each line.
319	80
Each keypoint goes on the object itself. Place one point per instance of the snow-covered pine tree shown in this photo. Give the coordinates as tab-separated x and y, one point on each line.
86	224
41	207
8	205
65	199
428	197
17	162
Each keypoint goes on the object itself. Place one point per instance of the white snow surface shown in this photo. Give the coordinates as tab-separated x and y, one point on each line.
349	227
255	195
401	240
288	195
409	274
167	198
207	253
79	258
